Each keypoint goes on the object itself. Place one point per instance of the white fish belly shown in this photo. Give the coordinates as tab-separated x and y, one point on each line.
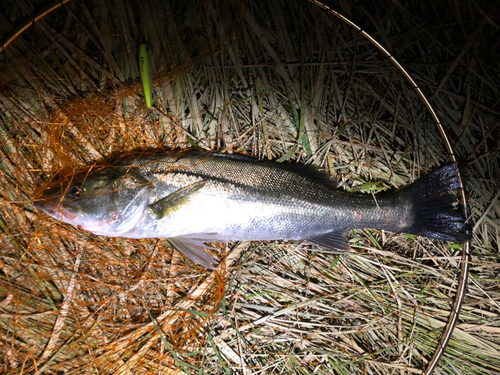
216	216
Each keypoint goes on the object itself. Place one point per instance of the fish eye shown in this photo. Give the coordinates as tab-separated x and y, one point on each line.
74	192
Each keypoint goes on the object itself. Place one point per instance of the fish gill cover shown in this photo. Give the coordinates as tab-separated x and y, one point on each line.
279	81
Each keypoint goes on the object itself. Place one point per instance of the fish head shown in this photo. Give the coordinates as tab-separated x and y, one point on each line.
108	202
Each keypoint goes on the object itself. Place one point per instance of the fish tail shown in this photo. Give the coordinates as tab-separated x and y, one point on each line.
432	205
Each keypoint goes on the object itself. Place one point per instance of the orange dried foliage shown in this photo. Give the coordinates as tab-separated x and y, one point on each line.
79	302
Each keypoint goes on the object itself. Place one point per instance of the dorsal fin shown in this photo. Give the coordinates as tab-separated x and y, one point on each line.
312	172
239	157
309	171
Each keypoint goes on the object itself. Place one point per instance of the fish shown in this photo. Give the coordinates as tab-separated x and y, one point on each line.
191	198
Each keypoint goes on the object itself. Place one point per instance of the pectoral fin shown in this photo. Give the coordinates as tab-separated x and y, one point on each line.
175	201
194	249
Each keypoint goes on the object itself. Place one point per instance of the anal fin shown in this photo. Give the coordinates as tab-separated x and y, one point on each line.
331	241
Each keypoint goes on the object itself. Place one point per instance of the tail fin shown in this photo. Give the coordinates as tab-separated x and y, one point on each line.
433	214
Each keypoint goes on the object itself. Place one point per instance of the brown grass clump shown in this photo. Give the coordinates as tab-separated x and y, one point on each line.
75	300
277	80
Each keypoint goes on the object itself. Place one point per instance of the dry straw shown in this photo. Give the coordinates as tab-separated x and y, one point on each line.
278	80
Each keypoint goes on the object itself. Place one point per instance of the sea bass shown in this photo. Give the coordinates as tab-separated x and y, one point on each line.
191	198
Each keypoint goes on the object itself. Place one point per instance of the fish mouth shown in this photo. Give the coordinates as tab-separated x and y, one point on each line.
54	210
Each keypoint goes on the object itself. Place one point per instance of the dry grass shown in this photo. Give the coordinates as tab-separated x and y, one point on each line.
278	80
